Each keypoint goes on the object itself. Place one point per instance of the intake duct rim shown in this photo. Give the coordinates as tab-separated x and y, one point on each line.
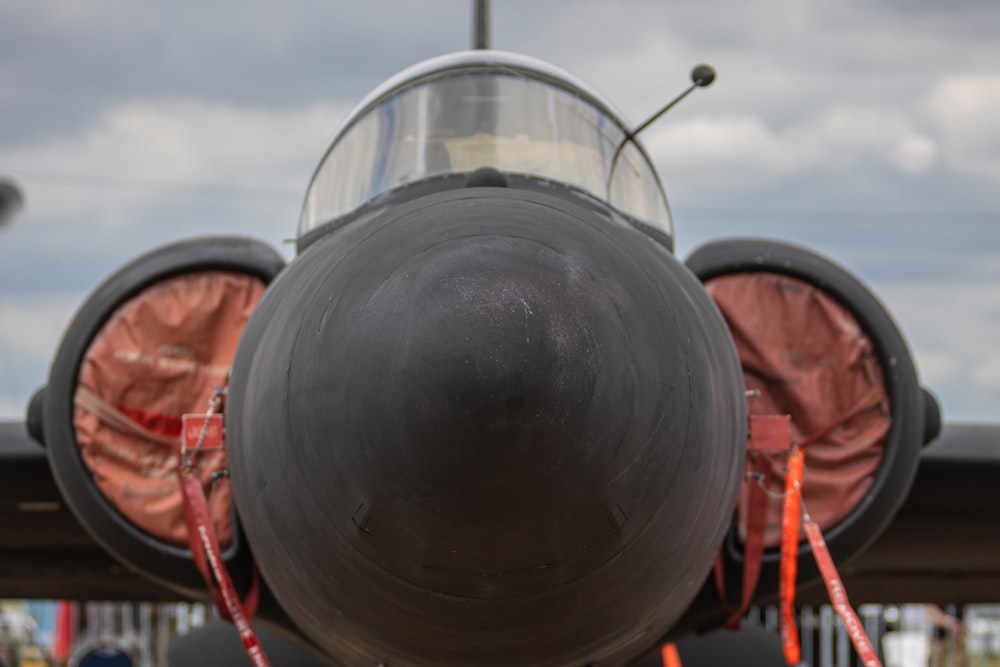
855	531
157	559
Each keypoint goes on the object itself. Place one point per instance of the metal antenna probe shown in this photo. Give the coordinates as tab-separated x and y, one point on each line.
481	25
702	76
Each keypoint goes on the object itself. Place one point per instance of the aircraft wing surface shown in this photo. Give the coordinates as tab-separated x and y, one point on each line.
941	547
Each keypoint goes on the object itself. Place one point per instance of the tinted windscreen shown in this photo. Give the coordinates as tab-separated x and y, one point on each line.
457	124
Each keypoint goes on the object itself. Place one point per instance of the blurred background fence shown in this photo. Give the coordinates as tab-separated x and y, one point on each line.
31	634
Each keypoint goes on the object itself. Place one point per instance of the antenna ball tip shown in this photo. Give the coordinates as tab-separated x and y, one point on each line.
703	75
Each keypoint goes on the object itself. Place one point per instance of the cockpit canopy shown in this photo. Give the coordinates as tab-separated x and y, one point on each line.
459	112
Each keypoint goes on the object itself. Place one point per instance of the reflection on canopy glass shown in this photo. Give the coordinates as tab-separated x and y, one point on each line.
503	120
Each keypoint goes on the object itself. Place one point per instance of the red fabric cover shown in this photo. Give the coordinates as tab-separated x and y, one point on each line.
808	358
159	356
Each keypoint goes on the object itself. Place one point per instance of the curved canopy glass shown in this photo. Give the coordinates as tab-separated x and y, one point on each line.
484	109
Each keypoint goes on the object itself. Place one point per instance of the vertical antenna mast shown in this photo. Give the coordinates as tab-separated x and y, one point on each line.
481	25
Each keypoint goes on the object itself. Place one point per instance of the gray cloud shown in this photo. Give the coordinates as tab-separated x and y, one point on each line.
862	129
62	63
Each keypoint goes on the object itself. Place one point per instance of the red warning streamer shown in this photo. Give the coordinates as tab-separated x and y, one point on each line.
791	514
208	558
207	431
838	596
669	655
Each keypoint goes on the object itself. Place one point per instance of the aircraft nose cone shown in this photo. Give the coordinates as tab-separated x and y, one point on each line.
485	428
490	378
501	364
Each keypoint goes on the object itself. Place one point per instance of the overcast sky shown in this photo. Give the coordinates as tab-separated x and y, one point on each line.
866	130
